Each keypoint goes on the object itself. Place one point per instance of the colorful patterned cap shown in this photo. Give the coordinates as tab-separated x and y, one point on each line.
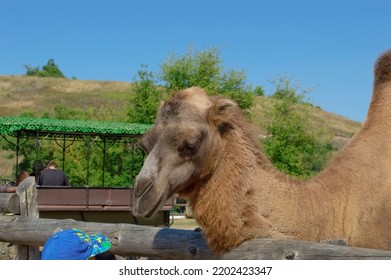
74	244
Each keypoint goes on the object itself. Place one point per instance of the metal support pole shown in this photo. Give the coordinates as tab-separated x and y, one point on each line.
37	146
104	162
88	157
17	154
63	152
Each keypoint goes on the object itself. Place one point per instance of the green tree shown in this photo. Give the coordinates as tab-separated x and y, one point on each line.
233	85
205	69
192	69
146	97
294	144
49	70
258	91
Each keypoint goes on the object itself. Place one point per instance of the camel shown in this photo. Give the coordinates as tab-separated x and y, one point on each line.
204	149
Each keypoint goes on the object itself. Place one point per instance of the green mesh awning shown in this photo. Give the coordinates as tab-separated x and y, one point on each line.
14	125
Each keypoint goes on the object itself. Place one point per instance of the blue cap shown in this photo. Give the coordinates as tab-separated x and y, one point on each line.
74	244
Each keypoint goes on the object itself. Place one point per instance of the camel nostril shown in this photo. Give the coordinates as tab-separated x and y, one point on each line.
142	186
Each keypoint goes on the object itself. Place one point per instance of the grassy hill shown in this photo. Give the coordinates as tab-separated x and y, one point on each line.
21	94
108	100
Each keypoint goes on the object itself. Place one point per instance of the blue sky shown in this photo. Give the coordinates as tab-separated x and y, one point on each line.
329	46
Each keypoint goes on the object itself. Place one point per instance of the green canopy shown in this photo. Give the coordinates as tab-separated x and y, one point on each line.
35	126
55	129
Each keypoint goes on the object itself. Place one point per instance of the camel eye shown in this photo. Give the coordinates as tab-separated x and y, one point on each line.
188	149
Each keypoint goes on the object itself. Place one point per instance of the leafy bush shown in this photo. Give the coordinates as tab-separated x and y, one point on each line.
204	69
48	70
144	103
294	144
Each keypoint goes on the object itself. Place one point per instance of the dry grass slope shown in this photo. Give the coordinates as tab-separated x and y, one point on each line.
20	94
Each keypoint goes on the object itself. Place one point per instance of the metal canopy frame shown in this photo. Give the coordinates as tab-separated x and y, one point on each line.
104	134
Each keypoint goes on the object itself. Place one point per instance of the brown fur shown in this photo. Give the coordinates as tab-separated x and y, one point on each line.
204	149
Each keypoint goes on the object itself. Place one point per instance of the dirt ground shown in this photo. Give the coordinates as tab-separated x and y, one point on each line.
188	224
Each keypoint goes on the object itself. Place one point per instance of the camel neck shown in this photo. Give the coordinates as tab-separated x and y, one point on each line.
227	206
247	198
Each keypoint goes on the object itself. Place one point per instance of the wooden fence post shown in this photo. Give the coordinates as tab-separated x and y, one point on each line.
9	205
28	199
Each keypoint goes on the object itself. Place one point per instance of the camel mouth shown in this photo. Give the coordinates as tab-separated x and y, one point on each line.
145	201
145	208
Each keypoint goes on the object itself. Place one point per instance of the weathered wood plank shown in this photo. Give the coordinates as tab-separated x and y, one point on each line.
272	249
9	203
28	194
167	243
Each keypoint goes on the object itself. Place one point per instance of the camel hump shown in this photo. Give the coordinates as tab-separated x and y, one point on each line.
383	68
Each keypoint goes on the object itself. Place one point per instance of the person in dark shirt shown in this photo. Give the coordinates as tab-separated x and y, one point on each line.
51	176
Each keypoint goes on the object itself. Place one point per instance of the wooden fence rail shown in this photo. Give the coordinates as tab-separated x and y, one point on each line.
29	232
167	243
9	203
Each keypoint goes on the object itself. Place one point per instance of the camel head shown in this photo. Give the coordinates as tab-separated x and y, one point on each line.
182	148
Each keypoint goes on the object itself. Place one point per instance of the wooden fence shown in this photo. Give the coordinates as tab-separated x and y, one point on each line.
20	225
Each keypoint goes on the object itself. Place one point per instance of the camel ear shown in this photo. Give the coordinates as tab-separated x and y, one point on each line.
221	112
223	105
148	140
